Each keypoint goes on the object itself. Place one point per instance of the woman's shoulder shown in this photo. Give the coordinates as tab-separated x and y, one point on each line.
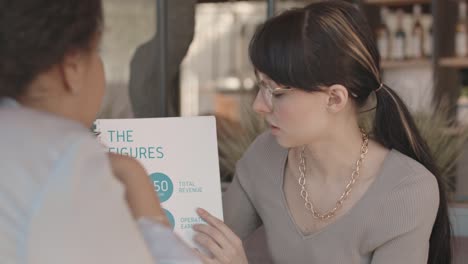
35	136
264	149
41	126
406	171
407	198
263	159
410	185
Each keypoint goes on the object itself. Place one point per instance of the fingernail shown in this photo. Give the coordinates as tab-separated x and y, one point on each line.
201	211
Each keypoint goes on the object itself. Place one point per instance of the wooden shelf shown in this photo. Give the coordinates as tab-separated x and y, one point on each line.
396	2
458	204
412	63
454	62
235	92
456	131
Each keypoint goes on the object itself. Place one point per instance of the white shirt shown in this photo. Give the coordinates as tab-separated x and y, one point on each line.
59	201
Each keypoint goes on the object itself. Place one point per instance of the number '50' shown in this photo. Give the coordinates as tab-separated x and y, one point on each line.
161	186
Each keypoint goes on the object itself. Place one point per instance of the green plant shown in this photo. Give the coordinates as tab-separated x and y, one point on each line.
234	137
464	91
445	141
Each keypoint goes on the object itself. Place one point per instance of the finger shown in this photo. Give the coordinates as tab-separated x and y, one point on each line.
213	221
204	258
215	234
212	246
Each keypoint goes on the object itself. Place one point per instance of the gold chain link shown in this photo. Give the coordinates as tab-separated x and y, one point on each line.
354	176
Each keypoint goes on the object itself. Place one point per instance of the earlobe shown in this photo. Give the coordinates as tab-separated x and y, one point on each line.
331	101
338	96
74	89
71	83
72	73
333	104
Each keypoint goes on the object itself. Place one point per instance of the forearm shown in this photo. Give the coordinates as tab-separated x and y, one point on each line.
139	192
142	199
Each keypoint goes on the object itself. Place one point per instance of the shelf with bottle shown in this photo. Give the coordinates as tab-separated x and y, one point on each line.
458	126
396	2
459	59
455	130
454	62
404	40
409	63
462	100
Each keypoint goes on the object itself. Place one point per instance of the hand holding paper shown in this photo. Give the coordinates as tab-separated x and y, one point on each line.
225	246
139	192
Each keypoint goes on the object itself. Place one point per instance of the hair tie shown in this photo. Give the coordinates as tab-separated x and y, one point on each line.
380	87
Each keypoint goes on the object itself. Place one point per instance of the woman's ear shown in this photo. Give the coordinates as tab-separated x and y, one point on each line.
73	69
337	98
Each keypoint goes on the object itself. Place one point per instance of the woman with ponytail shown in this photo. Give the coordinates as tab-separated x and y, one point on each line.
326	190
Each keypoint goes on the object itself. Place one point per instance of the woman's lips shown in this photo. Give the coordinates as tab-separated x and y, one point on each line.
274	129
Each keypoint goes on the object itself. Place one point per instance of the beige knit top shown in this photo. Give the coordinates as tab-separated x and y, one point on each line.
391	223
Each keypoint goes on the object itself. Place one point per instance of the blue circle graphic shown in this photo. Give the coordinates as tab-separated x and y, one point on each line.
170	217
162	185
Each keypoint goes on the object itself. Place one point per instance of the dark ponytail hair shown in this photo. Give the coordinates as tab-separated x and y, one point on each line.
329	43
406	138
36	34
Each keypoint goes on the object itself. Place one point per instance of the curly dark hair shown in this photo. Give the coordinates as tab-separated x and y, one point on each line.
36	34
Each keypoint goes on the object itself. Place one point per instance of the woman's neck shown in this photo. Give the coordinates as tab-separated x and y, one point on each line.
334	156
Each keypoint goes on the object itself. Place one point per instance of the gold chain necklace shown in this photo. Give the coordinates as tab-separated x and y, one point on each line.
305	195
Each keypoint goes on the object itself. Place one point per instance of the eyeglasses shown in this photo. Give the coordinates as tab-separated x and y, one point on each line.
269	92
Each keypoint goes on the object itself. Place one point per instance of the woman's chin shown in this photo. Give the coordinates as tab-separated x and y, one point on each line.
282	141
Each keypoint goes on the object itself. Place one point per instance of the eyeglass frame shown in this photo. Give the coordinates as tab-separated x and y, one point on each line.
270	92
261	84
